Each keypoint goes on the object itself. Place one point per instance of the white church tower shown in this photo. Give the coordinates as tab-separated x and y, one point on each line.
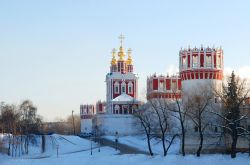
121	96
121	83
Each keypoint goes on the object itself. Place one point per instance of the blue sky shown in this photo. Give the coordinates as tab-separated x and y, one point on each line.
57	53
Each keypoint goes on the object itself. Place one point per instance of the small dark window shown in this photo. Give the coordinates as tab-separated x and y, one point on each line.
130	89
215	100
195	129
215	129
248	127
123	89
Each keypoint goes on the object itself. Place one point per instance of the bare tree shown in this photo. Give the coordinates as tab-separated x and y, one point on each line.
77	122
232	96
144	116
30	122
9	120
179	112
18	121
161	107
198	104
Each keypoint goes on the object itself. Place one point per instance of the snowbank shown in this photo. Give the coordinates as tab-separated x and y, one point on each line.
140	142
107	156
74	150
64	144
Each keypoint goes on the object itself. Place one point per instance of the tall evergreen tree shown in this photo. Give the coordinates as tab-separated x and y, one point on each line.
233	112
232	97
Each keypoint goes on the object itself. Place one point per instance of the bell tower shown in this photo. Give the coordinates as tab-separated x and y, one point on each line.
121	82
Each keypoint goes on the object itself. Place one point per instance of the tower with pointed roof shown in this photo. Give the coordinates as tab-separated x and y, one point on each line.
121	82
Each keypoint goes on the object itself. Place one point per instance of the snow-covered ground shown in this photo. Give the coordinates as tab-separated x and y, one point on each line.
61	143
74	150
140	142
108	156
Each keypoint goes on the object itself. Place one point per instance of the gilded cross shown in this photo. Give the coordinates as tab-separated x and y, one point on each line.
121	37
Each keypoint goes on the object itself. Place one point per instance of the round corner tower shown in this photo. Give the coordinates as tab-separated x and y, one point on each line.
200	67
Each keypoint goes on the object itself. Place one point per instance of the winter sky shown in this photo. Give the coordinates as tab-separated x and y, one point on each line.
57	53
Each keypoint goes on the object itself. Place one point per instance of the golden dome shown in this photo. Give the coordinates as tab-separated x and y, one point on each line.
129	60
121	54
113	61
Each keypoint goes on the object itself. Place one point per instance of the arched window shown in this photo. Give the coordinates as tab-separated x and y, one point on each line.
184	63
215	129
195	61
125	109
195	129
174	86
130	88
116	88
117	108
209	61
123	87
161	85
218	62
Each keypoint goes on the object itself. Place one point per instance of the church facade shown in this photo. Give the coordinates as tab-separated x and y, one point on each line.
122	84
111	116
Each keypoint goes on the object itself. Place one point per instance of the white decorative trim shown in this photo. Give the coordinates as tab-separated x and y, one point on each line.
130	86
116	88
123	86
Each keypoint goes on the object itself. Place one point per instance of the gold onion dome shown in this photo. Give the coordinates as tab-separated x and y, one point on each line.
113	61
129	61
121	54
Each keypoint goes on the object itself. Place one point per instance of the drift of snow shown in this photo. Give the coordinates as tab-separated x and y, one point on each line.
74	150
108	156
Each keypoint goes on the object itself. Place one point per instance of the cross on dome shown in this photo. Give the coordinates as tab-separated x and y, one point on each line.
113	61
121	37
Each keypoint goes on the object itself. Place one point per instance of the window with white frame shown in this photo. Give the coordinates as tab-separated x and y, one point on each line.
123	87
161	86
117	108
125	109
209	61
218	61
195	61
116	88
184	62
130	87
174	85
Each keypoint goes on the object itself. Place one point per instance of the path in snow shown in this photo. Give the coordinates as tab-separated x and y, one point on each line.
123	148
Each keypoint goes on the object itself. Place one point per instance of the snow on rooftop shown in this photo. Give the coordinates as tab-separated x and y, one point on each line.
125	98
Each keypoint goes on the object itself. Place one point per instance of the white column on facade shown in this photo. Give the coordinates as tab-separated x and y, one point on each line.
180	61
198	63
205	59
111	89
191	58
222	60
212	59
